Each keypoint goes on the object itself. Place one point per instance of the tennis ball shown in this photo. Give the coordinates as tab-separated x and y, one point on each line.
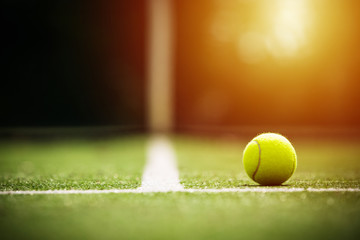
269	159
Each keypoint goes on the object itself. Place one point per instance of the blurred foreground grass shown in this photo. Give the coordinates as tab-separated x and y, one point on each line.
182	216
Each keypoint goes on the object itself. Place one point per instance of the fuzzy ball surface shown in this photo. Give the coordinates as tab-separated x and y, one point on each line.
269	159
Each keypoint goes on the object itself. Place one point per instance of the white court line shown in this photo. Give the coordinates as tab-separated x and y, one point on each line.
161	173
223	190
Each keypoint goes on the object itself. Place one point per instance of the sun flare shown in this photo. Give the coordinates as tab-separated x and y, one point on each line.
288	31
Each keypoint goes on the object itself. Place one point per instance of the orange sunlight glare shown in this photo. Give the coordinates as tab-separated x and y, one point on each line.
288	33
279	30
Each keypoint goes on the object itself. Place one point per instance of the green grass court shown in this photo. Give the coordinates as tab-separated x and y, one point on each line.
72	164
118	163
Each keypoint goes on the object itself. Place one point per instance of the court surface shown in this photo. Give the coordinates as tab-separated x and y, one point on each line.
178	187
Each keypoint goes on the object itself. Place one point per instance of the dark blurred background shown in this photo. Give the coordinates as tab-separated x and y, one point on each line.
72	63
83	63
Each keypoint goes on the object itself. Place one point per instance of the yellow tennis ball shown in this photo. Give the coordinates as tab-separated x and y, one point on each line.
269	159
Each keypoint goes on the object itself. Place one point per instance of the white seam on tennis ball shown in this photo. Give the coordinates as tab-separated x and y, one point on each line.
258	165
